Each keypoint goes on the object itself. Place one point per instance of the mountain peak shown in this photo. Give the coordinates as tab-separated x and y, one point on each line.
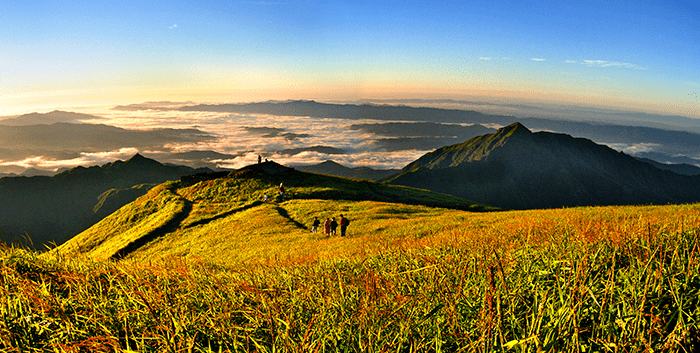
137	158
268	167
331	163
514	129
138	161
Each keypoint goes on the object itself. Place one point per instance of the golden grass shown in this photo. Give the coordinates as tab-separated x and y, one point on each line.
247	276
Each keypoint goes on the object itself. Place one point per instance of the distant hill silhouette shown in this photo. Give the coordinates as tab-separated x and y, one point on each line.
56	116
30	172
517	169
678	168
319	149
69	140
333	168
53	209
348	111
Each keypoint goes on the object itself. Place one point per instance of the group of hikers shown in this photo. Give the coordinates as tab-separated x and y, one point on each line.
330	225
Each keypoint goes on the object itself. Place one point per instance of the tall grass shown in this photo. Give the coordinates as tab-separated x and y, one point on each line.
617	279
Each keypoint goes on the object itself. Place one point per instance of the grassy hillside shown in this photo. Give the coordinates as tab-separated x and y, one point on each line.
408	277
225	220
584	279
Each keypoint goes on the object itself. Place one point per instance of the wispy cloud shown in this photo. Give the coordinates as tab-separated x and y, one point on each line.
484	58
537	59
173	27
605	63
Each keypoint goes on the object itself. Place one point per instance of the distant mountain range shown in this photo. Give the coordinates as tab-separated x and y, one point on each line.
30	173
667	143
56	116
678	168
53	209
333	168
68	140
515	168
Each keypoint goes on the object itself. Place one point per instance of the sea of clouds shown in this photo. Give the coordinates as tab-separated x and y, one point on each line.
242	138
232	140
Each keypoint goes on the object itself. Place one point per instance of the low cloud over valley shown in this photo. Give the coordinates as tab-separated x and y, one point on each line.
232	136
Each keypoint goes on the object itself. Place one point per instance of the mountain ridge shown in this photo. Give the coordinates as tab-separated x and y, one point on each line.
515	168
56	116
54	208
334	168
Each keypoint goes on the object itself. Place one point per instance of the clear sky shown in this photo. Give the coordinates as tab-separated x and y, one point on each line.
57	54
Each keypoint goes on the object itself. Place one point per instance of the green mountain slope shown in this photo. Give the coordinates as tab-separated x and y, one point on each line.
225	218
515	168
53	209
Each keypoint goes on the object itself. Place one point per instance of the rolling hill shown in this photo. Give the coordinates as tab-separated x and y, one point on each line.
517	169
53	209
222	216
337	169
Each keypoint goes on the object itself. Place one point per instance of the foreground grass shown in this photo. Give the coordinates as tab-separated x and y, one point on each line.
618	279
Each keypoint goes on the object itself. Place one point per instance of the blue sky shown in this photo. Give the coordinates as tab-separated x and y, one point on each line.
67	53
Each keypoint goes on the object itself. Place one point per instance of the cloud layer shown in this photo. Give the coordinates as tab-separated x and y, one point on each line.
384	139
210	139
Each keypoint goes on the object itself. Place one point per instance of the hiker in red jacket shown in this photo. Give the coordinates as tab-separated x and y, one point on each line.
344	223
327	227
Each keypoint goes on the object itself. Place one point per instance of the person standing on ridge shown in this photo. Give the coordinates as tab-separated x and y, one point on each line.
281	189
315	224
344	223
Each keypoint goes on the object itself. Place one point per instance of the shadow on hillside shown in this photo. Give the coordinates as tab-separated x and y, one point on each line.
225	214
285	214
166	228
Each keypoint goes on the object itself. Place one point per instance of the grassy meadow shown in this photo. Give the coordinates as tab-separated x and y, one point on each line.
229	273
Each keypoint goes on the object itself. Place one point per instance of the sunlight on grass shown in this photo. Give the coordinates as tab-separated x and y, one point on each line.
238	274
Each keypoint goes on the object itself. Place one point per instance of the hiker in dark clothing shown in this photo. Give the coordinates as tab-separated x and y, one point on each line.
327	226
344	223
314	226
334	225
